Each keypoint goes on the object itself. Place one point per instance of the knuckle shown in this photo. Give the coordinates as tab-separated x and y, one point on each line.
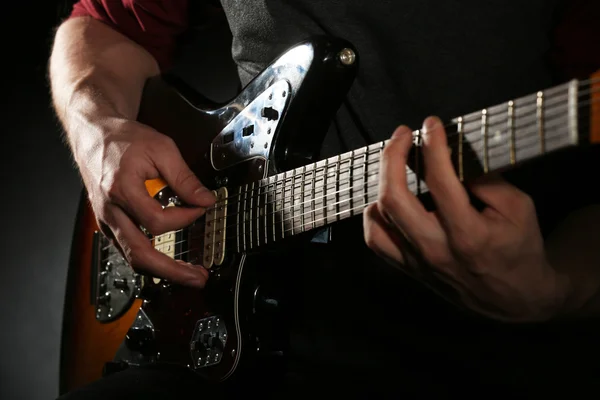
369	235
525	203
469	245
388	200
153	223
389	151
439	258
186	178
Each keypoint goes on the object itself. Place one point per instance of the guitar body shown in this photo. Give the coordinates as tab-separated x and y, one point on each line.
276	123
87	344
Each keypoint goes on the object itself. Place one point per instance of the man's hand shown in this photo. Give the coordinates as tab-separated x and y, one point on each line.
492	262
115	161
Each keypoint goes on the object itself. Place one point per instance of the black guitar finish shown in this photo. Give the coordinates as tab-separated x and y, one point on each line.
276	123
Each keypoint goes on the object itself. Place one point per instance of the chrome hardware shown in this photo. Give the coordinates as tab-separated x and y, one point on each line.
138	348
215	230
255	123
347	56
208	342
116	284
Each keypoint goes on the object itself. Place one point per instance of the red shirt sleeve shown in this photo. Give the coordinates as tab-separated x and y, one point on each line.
154	25
577	40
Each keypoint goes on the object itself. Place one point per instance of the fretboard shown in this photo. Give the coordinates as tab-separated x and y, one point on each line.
339	187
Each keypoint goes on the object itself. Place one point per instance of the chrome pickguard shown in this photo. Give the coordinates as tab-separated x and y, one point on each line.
250	134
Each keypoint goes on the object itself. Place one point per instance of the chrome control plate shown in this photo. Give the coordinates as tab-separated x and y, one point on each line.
208	342
116	284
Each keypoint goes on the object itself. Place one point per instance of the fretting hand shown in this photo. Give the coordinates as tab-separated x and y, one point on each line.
492	262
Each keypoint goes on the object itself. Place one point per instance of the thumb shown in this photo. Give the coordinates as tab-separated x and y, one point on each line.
182	180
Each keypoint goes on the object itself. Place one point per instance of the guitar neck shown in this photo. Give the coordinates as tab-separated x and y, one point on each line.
339	187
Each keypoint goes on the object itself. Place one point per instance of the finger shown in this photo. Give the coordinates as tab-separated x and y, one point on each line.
148	212
450	197
143	257
503	199
383	242
396	202
174	170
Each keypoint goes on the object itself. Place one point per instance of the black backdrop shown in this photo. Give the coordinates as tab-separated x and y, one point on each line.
39	200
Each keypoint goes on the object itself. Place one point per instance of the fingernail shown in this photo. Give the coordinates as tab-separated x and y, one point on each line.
429	125
401	131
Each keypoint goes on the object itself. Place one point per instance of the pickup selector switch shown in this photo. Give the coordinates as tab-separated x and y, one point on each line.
270	113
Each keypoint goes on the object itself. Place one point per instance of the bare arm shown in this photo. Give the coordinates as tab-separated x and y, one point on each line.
96	73
97	76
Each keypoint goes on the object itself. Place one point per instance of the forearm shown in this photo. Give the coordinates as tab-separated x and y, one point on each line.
573	250
96	73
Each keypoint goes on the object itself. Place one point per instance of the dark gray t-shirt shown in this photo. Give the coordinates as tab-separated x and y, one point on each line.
418	58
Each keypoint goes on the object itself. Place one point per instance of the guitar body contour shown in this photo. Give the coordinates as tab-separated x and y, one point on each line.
86	344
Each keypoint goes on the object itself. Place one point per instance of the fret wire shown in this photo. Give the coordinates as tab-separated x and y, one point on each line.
461	134
551	137
365	165
250	225
273	206
351	177
302	199
547	102
264	211
282	207
516	126
325	174
484	133
293	189
337	188
512	133
411	181
244	216
314	178
257	213
262	215
540	120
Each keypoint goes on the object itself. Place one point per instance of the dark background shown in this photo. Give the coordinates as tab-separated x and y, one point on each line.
39	200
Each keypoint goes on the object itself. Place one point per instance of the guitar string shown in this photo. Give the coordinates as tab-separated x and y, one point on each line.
350	181
299	175
294	218
548	106
294	183
300	184
293	178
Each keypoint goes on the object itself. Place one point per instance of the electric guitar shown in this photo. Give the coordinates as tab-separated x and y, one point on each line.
257	153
